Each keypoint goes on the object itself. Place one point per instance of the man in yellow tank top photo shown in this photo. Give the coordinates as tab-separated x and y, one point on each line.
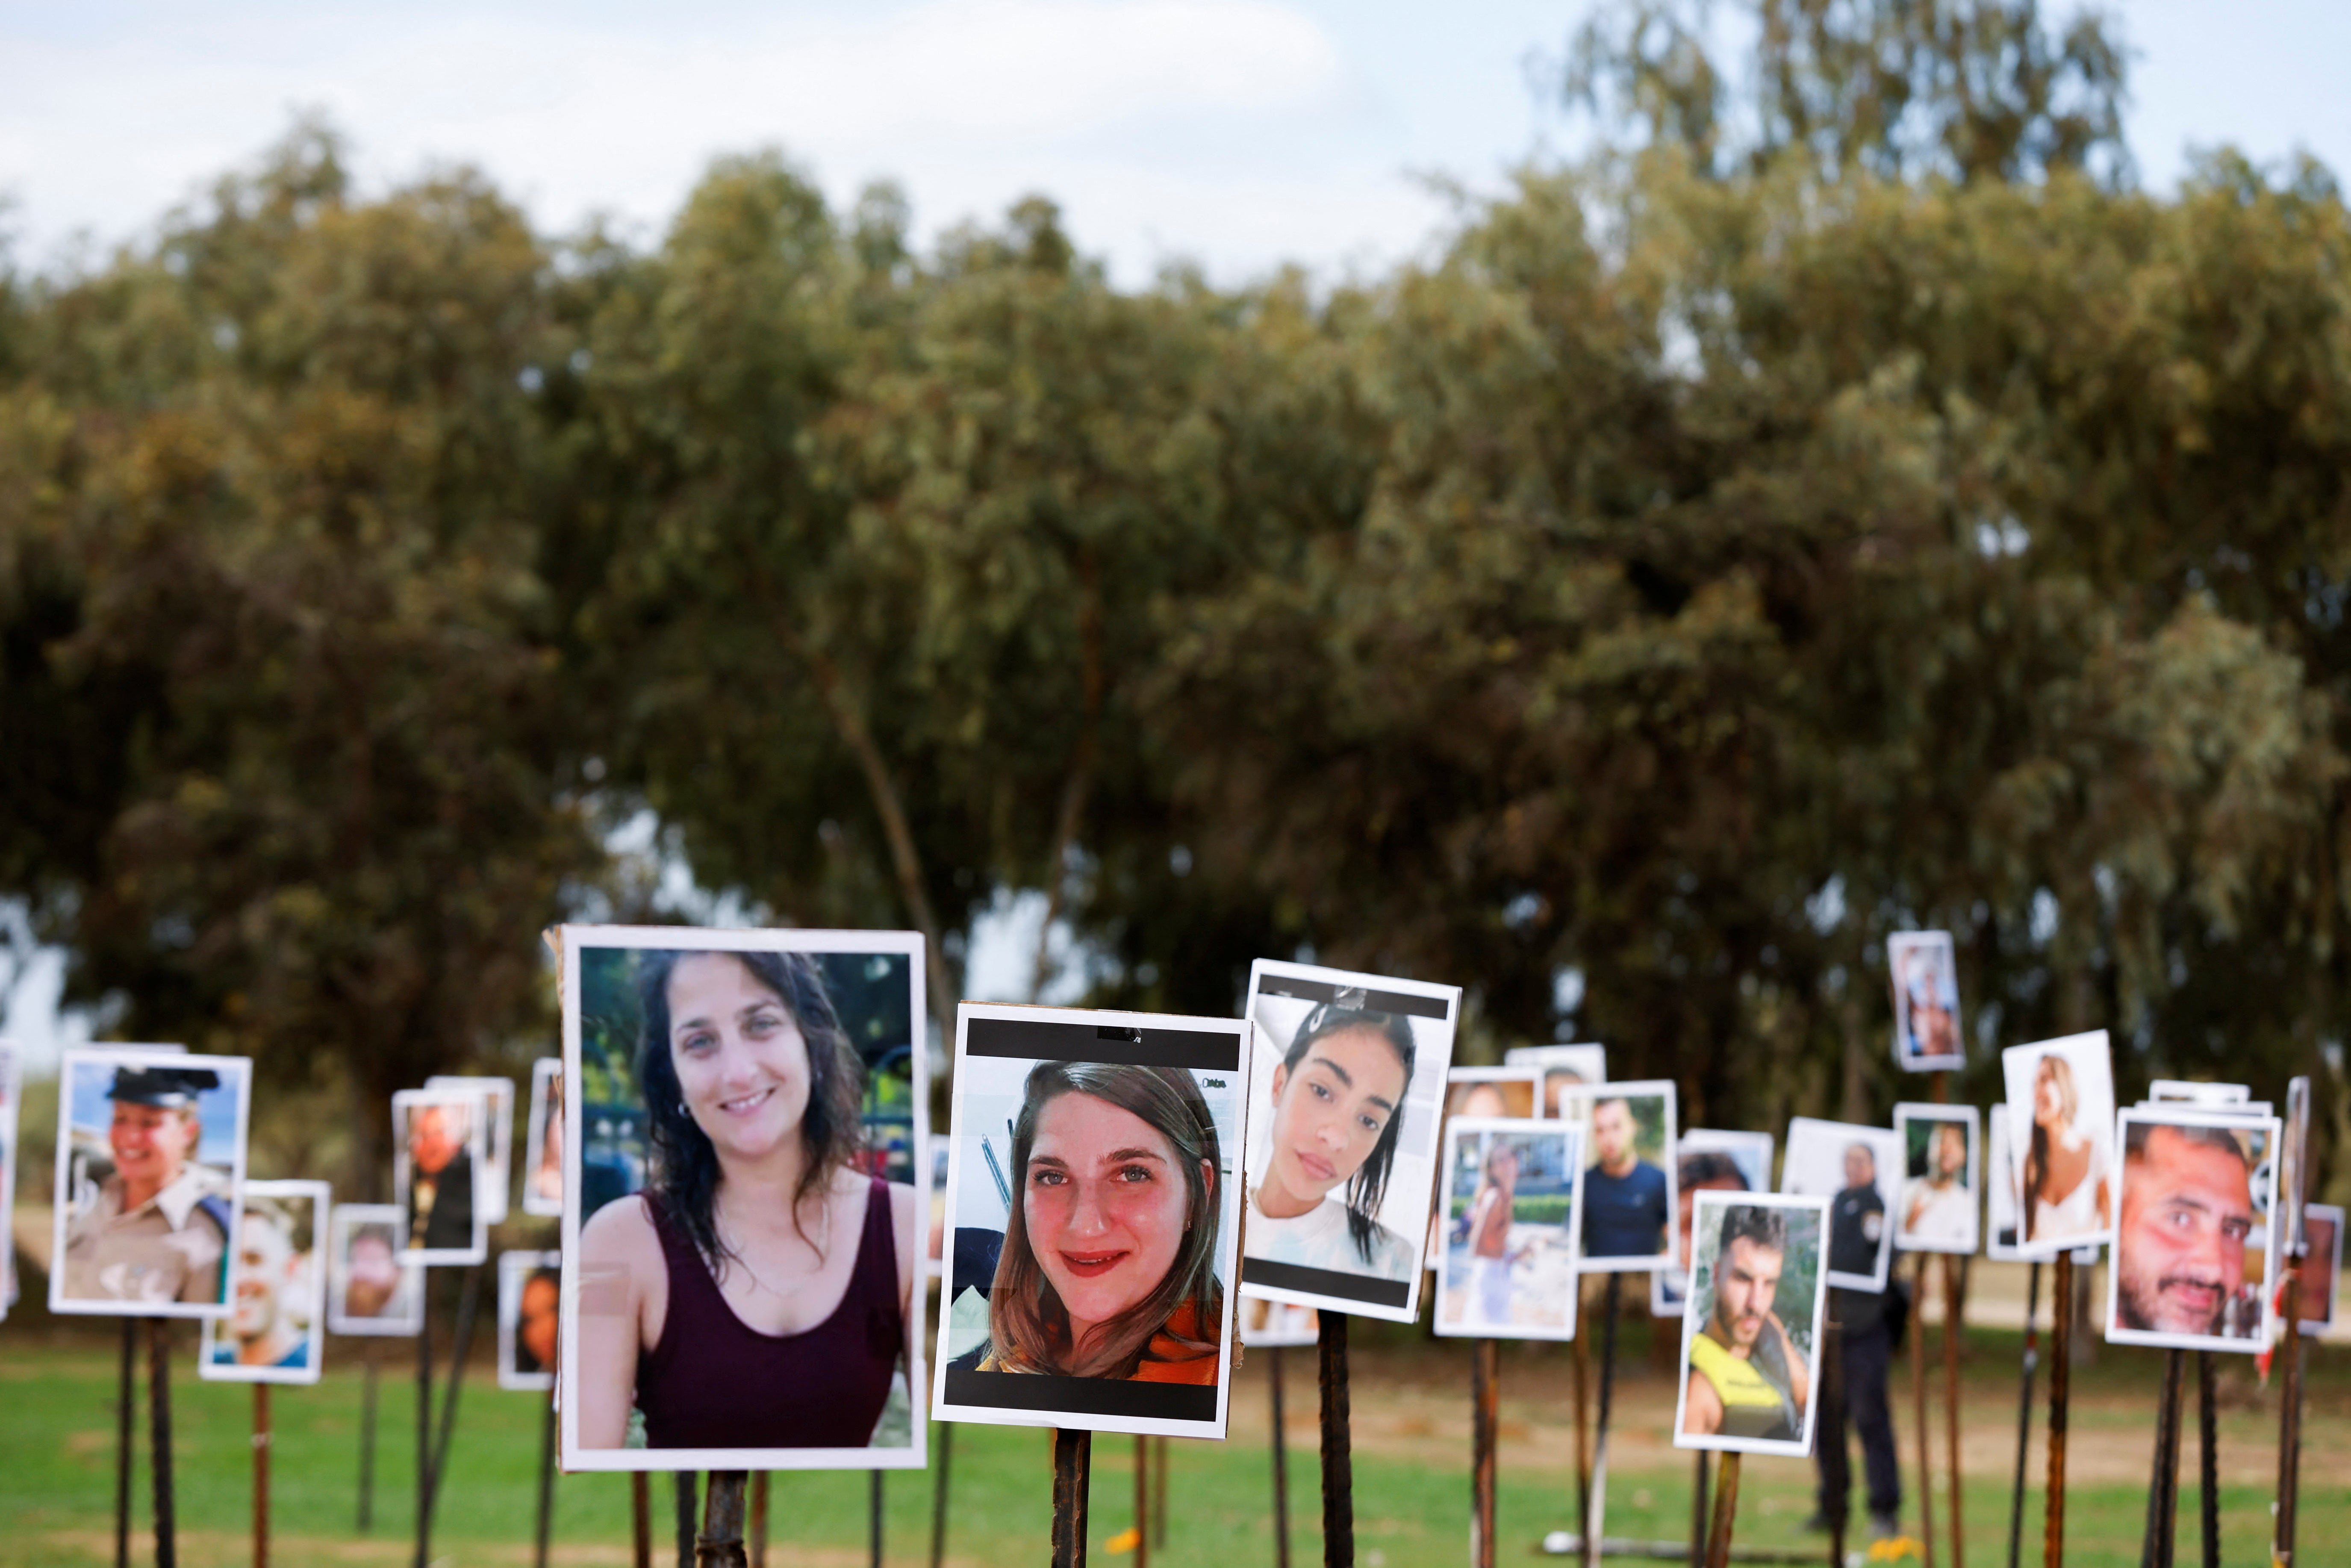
1745	1378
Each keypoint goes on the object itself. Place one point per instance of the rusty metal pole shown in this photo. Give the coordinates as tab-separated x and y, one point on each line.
424	1420
1142	1502
1918	1394
759	1518
1073	1459
126	1407
2208	1458
1338	1462
938	1495
1159	1491
1583	1358
1485	1368
541	1541
2289	1421
1725	1509
1280	1468
367	1442
1955	1306
158	1432
2024	1410
1831	1397
261	1475
2060	1366
873	1514
1597	1497
1698	1518
720	1544
641	1517
2155	1542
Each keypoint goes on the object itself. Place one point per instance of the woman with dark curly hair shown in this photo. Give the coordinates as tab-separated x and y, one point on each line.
758	1293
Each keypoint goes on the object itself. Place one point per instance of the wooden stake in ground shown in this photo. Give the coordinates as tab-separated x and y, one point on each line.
1919	1393
261	1475
1725	1509
1596	1507
367	1443
159	1434
1338	1462
2024	1409
1485	1370
1954	1312
640	1520
2208	1456
1073	1459
2060	1334
720	1544
125	1404
1280	1470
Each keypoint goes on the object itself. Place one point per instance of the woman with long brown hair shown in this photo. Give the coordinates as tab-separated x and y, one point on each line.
1108	1268
2064	1176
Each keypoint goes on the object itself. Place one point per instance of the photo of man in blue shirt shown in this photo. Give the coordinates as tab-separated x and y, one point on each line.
1624	1197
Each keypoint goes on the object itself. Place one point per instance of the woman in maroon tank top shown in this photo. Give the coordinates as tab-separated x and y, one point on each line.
757	1293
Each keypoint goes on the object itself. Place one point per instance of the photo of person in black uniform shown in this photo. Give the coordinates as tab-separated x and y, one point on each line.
441	1138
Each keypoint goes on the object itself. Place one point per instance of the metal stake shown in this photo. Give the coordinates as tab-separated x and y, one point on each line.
2208	1456
873	1505
1598	1498
1338	1463
367	1443
2060	1366
759	1517
1954	1302
641	1523
1072	1461
720	1544
1919	1393
125	1404
939	1494
683	1485
261	1475
159	1410
1725	1509
2024	1409
1484	1371
546	1482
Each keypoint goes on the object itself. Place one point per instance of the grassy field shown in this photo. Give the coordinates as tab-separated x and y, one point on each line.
1411	1401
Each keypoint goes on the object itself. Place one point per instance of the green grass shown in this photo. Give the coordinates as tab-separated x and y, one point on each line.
1412	1491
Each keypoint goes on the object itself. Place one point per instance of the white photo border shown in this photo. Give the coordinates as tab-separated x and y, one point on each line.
2175	1115
477	1144
544	1072
490	1196
348	1217
1794	1447
1897	945
1517	1127
1630	1089
2044	1251
321	1213
516	1265
1909	1111
1879	1139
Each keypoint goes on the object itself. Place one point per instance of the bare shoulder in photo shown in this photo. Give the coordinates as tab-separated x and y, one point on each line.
1751	1356
2061	1120
1942	1194
1509	1219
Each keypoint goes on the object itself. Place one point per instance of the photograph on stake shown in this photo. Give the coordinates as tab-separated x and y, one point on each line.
2322	1225
741	1274
1628	1135
2196	1183
542	1167
1941	1207
1345	1096
1509	1219
277	1328
494	1176
1093	1197
1751	1332
530	1296
1705	1160
2059	1113
369	1290
440	1139
150	1175
1565	1068
1925	977
1858	1170
1271	1325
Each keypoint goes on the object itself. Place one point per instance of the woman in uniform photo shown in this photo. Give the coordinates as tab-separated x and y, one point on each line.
1338	1106
1108	1268
157	1231
756	1295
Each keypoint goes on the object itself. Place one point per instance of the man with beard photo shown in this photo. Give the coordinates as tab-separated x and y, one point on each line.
440	1177
1625	1195
1745	1377
2180	1252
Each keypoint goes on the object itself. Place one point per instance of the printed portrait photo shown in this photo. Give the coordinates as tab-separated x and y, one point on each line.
1627	1133
2195	1185
531	1297
1490	1091
369	1290
745	1120
542	1164
493	1178
1278	1325
2322	1225
1705	1160
1345	1102
1565	1068
277	1328
2061	1122
1925	977
1510	1222
1093	1194
1859	1171
150	1173
440	1138
1942	1205
1751	1333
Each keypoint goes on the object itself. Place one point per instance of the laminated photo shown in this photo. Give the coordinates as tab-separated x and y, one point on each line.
2061	1123
1093	1200
1628	1136
1346	1094
1276	1325
1751	1335
542	1164
1509	1221
150	1179
1565	1068
494	1177
277	1329
369	1290
1858	1171
2196	1186
744	1124
1926	976
1942	1204
1705	1160
2322	1225
440	1143
530	1298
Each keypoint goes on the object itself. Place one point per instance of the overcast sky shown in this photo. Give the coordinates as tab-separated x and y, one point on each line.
1237	133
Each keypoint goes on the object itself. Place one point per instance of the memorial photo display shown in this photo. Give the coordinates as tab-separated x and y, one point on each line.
1942	1205
1345	1100
542	1162
2322	1225
1565	1068
277	1328
1858	1170
1926	979
1508	1221
2197	1184
1750	1359
1705	1160
149	1178
531	1297
2061	1123
1628	1136
744	1117
440	1144
369	1290
494	1176
1094	1207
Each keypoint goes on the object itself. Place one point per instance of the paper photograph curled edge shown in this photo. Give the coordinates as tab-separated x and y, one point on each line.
1094	1197
2197	1184
1750	1360
693	1057
150	1181
1346	1107
277	1328
369	1290
1941	1204
1510	1218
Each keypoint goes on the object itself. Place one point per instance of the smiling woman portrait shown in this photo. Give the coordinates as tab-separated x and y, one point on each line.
1338	1101
758	1292
1108	1268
